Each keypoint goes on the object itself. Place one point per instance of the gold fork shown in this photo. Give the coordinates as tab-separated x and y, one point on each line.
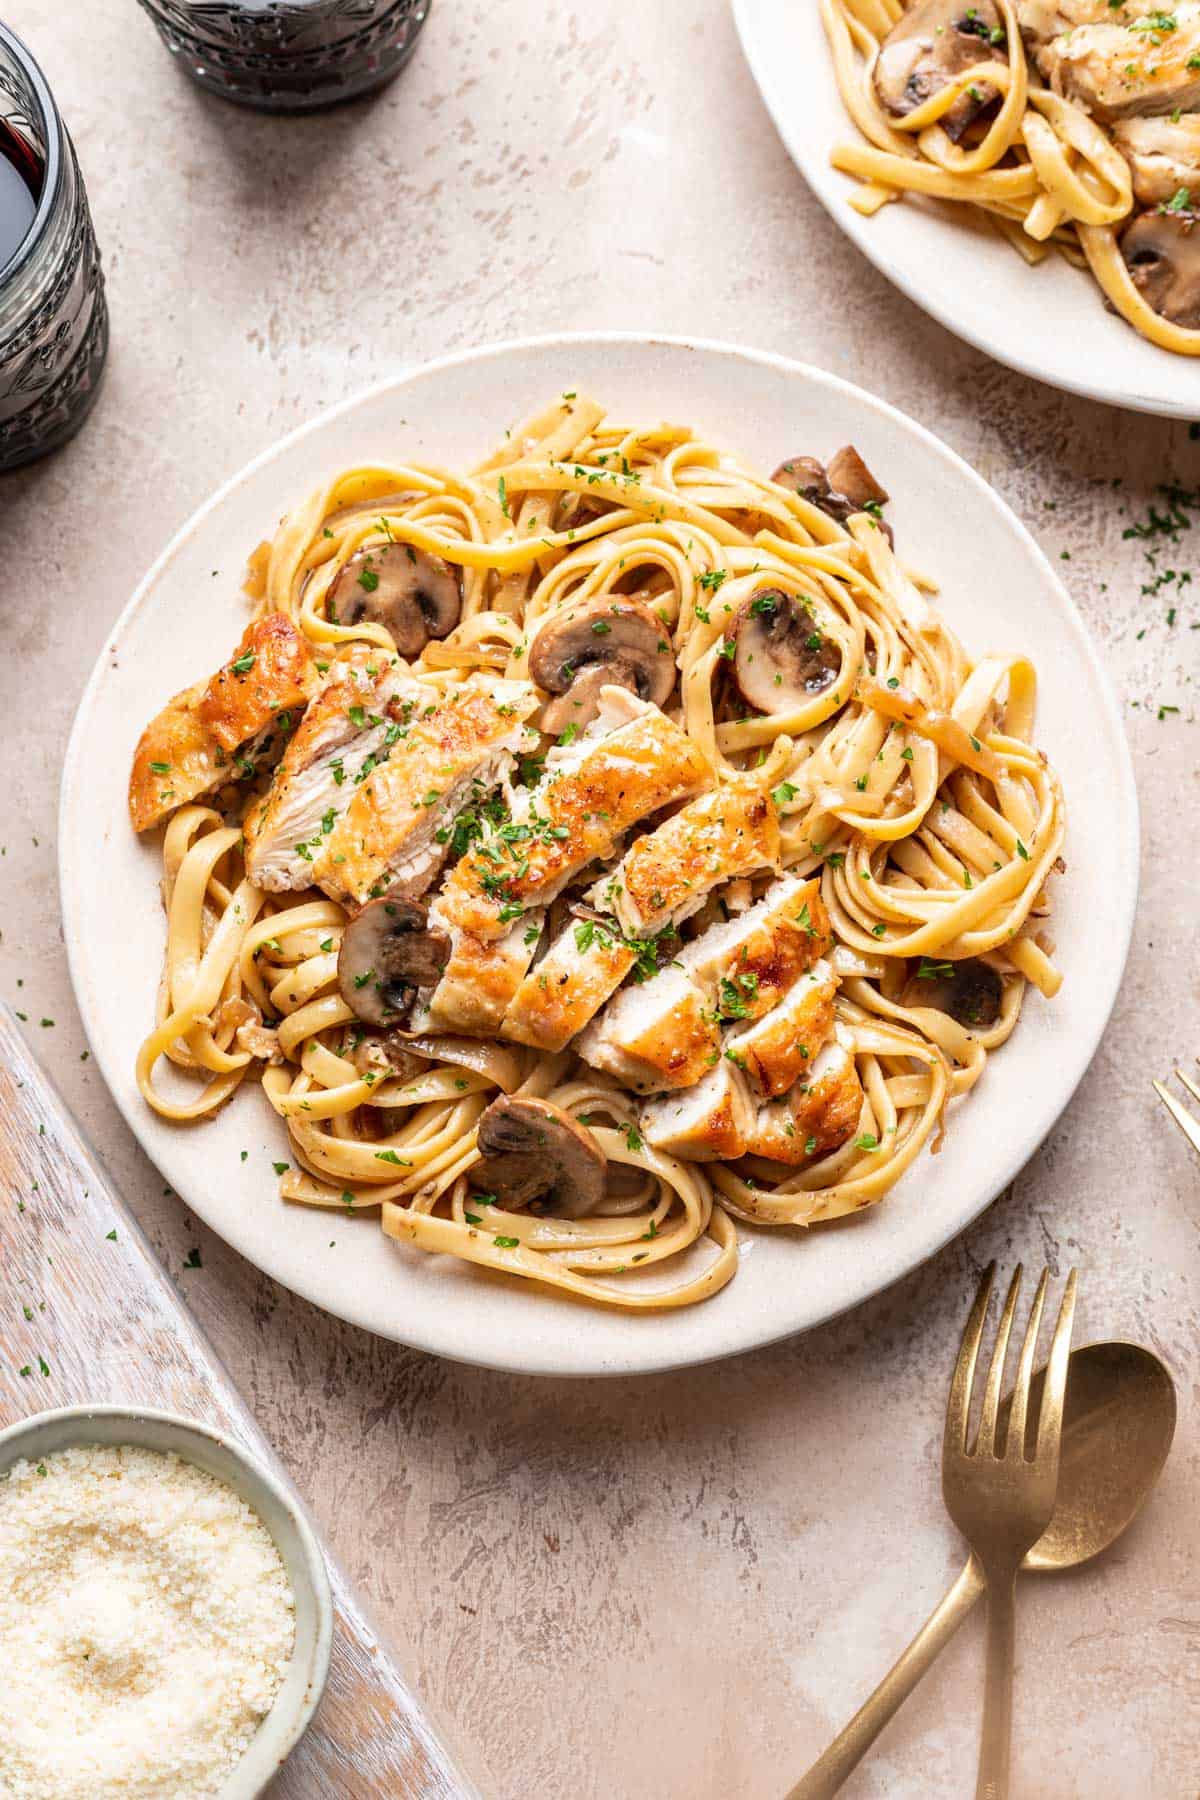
1186	1121
999	1496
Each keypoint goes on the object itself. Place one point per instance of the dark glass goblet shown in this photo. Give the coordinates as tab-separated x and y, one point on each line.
53	317
290	55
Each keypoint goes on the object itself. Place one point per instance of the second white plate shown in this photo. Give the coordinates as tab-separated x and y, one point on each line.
1049	322
999	593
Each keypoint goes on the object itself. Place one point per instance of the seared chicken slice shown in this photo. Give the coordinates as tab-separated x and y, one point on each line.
782	1047
627	764
348	727
395	833
817	1116
583	967
1151	65
663	1034
1042	20
480	980
228	726
1164	156
748	963
708	1123
664	877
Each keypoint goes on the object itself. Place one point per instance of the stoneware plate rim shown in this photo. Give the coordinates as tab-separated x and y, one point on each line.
207	1447
1049	323
787	1282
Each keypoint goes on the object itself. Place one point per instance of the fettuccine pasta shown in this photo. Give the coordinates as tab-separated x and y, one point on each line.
895	783
1067	124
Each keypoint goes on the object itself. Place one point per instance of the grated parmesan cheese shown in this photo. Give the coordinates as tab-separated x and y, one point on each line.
146	1625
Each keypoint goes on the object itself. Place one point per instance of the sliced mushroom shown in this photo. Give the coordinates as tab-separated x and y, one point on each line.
970	991
781	656
1162	253
389	950
927	47
385	1055
611	639
531	1150
849	475
846	487
414	596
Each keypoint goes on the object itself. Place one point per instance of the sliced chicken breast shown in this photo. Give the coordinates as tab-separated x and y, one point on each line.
1163	155
584	967
349	726
395	833
758	955
664	1034
1042	20
708	1123
481	978
664	877
627	764
783	1046
230	726
815	1116
1151	65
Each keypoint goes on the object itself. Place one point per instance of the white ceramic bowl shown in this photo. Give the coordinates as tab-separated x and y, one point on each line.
44	1434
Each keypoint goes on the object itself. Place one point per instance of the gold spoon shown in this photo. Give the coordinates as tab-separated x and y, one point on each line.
1118	1422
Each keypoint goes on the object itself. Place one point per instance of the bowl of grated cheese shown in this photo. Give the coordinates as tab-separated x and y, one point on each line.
165	1614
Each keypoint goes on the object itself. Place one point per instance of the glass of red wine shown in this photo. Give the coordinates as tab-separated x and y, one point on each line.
53	319
290	55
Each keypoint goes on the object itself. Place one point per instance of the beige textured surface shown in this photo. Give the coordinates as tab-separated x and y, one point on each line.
675	1587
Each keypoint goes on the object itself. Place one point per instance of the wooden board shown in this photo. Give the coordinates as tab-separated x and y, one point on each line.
103	1317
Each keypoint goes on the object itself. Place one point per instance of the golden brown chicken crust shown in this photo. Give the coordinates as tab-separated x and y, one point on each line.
644	765
565	990
435	752
732	832
273	670
676	1048
829	1110
186	750
780	1050
811	1121
779	950
479	982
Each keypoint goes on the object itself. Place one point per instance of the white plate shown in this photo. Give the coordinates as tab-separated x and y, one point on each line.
1049	322
999	593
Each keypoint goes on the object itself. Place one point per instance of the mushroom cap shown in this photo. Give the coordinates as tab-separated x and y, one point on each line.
970	991
805	476
928	46
388	950
846	487
781	656
612	632
849	475
1162	253
581	702
414	596
531	1149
